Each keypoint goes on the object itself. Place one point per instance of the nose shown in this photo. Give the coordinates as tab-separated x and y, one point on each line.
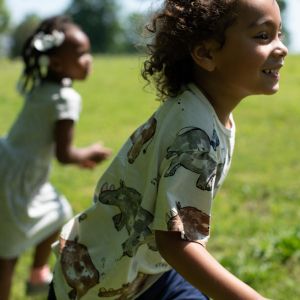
281	50
88	59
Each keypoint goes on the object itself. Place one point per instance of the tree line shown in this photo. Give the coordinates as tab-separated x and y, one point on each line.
100	19
108	29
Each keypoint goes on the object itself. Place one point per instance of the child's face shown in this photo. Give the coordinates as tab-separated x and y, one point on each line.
253	52
74	59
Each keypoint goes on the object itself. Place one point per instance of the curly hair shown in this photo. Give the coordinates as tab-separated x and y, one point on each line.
32	72
176	28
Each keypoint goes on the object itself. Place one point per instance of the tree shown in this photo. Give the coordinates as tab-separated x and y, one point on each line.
131	39
282	4
98	18
21	33
4	16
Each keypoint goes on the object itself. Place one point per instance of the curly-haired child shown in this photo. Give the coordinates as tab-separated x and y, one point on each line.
151	216
31	210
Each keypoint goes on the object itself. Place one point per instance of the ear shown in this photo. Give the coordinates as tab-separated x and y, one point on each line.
55	64
203	55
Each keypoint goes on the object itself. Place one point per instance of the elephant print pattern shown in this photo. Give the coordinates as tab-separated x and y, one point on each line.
191	150
132	216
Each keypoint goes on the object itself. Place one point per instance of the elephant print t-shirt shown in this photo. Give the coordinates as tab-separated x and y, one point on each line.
164	178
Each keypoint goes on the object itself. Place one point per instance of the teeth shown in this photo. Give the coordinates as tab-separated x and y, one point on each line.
270	71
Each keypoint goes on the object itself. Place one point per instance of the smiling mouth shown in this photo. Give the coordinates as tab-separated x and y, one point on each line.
274	72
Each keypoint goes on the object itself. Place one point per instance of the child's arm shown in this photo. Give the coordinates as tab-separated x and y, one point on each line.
66	153
197	266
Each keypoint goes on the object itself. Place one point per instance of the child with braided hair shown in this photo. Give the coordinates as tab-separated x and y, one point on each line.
31	210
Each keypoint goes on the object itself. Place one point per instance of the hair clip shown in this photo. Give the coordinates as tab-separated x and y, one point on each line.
43	42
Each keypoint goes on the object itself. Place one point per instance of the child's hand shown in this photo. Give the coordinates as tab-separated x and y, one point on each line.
97	153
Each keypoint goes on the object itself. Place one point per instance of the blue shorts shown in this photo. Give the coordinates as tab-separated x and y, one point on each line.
170	286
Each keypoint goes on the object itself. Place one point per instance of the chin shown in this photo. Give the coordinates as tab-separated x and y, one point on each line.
269	93
270	90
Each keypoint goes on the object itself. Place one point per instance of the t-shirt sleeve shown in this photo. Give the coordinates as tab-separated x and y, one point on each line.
68	105
184	201
187	184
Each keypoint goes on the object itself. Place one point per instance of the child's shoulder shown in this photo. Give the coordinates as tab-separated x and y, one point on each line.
55	94
68	92
189	108
61	92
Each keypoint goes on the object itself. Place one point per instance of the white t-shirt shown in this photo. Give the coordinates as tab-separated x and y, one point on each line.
164	178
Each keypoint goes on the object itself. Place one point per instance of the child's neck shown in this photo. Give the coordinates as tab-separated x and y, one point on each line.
222	102
51	76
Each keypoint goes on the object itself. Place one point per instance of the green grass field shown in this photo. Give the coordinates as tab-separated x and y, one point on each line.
256	228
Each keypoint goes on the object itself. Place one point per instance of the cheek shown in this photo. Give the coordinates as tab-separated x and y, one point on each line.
248	62
85	60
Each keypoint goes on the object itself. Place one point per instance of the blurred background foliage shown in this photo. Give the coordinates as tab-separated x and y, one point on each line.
110	31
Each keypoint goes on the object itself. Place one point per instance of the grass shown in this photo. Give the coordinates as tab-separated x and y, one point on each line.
255	230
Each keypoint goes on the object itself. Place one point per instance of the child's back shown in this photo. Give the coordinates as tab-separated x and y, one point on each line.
32	132
164	164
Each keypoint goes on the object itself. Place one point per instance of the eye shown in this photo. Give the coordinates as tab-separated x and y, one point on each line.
262	36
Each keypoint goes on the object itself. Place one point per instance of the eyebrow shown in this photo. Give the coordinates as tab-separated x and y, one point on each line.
264	22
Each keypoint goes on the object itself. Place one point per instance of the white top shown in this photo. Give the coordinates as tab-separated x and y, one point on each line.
30	208
164	178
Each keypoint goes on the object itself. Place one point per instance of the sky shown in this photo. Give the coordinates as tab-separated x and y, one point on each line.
293	24
20	8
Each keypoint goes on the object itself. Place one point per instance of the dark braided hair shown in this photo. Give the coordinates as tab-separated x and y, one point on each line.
176	28
33	71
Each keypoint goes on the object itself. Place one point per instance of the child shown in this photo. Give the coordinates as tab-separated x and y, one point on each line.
31	210
152	207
